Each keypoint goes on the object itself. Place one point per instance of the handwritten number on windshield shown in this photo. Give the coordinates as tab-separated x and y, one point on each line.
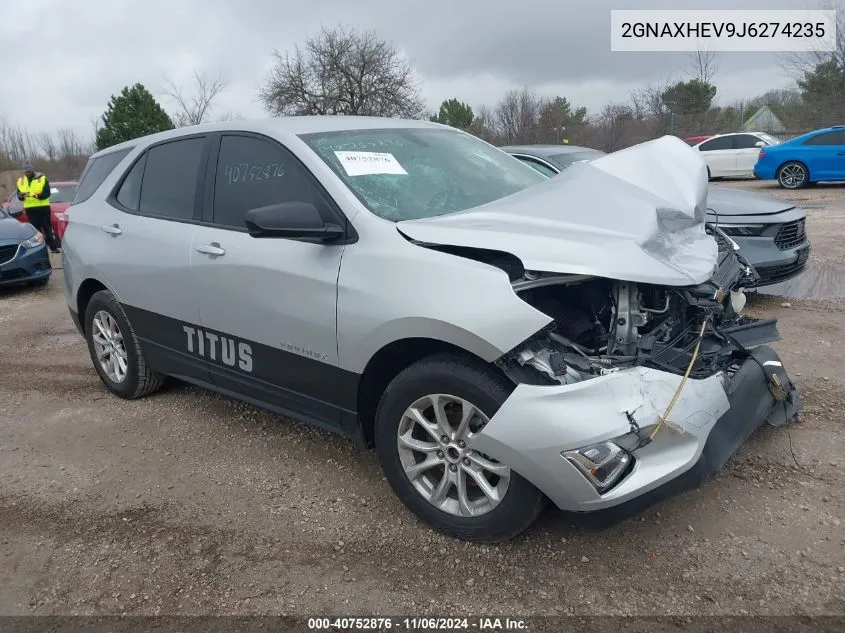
246	173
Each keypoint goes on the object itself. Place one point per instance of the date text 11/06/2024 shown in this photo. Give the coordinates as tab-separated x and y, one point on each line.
482	624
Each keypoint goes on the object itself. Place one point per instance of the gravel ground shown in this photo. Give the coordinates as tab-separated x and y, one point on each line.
191	503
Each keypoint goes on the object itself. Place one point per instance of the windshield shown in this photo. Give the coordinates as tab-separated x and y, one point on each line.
565	160
404	174
62	194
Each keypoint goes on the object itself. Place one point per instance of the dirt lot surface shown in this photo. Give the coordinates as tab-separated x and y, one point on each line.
188	502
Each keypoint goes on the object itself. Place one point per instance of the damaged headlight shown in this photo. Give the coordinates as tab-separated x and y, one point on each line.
602	464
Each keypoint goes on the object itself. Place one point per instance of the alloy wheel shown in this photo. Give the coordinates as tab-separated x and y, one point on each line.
433	439
109	346
792	176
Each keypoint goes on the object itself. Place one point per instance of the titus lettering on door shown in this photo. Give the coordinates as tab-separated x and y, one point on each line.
219	348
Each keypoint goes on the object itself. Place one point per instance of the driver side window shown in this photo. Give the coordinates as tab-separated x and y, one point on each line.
253	172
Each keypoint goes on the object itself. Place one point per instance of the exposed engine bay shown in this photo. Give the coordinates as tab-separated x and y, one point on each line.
601	325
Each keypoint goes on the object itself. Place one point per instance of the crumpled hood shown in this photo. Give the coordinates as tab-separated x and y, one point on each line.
728	202
633	215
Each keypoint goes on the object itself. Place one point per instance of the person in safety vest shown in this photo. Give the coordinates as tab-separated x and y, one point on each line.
34	193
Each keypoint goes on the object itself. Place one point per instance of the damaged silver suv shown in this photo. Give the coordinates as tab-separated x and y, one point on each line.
500	339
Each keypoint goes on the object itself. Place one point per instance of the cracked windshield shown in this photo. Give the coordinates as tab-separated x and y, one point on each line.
405	174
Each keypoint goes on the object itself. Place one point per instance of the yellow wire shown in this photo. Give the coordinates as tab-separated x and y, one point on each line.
665	416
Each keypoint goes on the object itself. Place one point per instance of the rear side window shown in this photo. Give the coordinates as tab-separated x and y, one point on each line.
828	138
720	142
170	179
130	191
96	171
252	173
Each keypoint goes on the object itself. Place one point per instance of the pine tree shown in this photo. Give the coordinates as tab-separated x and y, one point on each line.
131	114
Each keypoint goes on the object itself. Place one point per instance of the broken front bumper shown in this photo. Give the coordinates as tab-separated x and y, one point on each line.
710	421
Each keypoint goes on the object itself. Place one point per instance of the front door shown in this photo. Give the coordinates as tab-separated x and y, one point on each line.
719	155
268	306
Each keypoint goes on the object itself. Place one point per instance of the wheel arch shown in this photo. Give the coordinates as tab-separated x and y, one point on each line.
784	163
86	290
392	359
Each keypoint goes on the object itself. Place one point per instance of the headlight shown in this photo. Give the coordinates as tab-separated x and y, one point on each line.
602	464
743	230
35	240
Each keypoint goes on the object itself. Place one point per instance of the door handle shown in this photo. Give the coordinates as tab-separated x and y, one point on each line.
112	229
211	249
841	154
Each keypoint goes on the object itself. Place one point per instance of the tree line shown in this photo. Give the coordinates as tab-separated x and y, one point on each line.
347	71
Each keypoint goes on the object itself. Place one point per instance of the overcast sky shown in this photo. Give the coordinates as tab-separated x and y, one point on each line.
69	56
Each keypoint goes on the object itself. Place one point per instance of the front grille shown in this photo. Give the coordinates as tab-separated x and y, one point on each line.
7	253
791	234
776	274
15	273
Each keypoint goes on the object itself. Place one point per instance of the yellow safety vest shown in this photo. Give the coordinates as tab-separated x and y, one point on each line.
34	187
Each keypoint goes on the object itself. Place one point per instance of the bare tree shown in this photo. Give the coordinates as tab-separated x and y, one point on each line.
342	71
647	102
703	65
71	149
610	123
195	104
797	64
229	116
517	115
48	146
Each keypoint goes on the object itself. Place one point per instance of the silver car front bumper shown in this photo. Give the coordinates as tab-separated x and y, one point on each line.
710	421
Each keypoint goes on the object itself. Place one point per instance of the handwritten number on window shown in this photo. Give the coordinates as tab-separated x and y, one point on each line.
246	173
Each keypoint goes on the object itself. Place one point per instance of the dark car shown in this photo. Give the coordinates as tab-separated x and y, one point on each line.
23	255
552	159
771	233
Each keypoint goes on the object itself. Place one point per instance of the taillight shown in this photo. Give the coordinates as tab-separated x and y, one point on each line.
761	154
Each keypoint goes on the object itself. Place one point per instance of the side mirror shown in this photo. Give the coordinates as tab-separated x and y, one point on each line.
760	144
293	220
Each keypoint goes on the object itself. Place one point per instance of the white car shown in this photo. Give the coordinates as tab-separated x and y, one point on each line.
734	154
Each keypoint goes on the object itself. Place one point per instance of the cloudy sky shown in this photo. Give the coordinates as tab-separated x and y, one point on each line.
76	53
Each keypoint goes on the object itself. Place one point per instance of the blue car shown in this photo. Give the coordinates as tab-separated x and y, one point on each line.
817	156
23	255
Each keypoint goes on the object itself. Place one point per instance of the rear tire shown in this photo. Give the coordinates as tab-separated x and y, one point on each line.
793	175
494	509
115	350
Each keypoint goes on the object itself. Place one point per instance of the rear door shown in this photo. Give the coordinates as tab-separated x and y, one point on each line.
719	155
268	306
144	251
825	155
747	152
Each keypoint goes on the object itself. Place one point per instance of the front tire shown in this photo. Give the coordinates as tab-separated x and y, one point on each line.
424	422
116	351
793	175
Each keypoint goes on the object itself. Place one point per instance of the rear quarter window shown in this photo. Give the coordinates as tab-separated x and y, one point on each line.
95	173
